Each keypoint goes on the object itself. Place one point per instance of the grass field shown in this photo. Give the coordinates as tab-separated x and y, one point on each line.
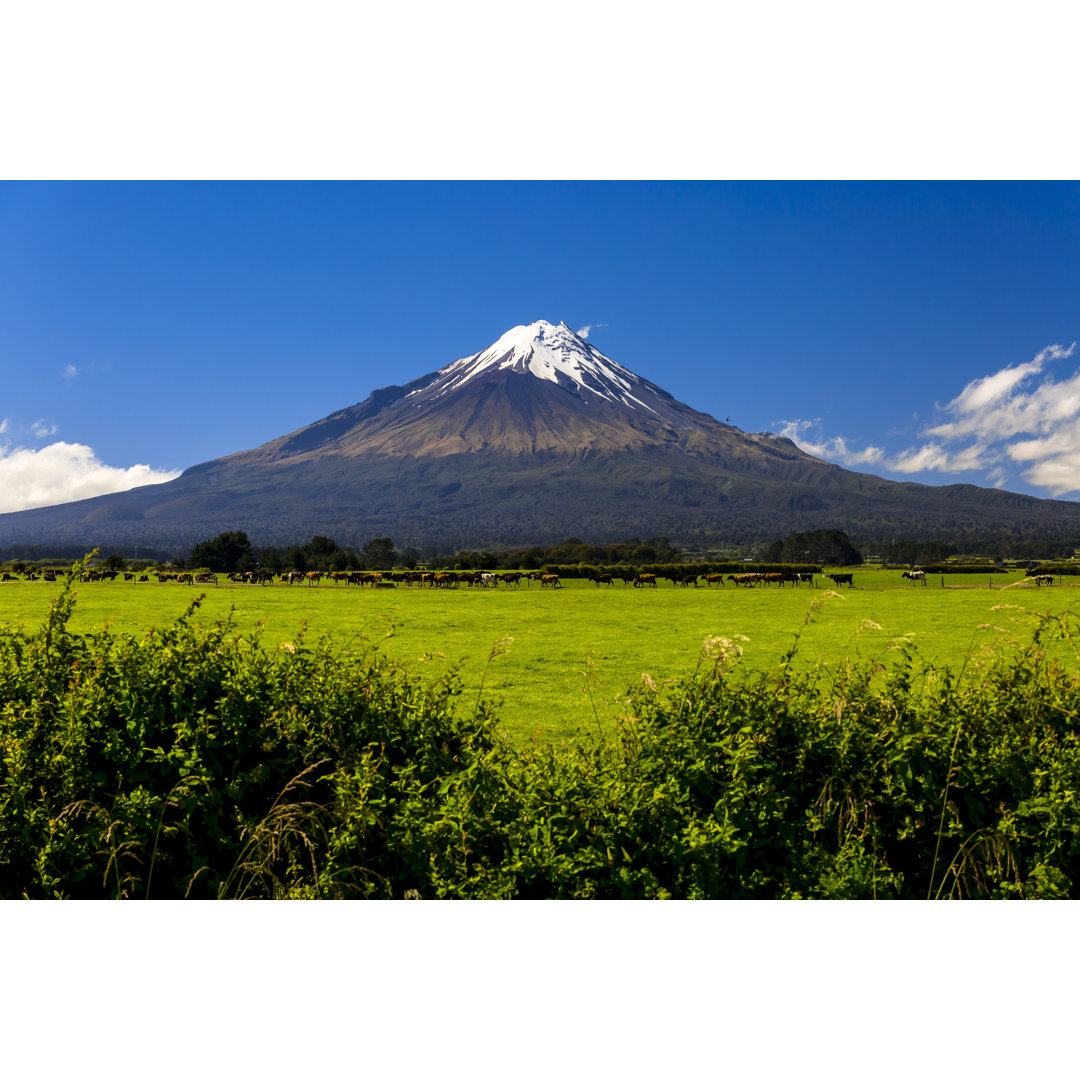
558	663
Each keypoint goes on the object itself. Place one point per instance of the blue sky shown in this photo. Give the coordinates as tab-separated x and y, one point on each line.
891	327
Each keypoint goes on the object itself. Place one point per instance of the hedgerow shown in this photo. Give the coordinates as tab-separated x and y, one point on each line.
200	761
964	568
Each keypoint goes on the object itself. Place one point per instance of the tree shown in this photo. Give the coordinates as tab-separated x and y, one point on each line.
320	547
114	562
823	546
226	553
378	554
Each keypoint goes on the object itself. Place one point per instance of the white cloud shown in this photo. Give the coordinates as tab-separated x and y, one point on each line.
70	371
935	457
63	472
586	330
835	449
1019	415
4	425
43	430
994	407
1011	415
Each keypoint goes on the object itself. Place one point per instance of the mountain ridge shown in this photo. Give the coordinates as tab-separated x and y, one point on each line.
538	437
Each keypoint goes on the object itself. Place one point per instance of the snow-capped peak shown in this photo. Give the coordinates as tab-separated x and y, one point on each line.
549	352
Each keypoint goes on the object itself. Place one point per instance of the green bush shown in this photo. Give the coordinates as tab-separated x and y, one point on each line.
197	761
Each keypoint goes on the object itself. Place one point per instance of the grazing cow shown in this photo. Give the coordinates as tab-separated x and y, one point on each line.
513	578
714	579
915	575
644	579
600	579
843	579
1043	579
549	579
744	579
313	577
681	579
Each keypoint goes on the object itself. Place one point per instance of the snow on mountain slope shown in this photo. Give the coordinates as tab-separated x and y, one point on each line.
550	352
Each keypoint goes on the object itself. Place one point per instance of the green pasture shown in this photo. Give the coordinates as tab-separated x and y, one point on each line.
557	663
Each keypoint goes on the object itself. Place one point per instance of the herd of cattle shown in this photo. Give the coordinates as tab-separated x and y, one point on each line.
437	579
484	579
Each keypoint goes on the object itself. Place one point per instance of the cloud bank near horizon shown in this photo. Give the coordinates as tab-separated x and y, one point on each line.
1018	416
65	472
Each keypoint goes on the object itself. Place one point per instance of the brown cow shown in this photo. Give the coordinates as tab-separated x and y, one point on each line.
744	579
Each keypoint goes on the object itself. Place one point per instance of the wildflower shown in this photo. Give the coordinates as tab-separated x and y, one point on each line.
723	649
500	647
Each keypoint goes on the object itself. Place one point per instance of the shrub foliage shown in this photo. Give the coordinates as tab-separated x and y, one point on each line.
197	761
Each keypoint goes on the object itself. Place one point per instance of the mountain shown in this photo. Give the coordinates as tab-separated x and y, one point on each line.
536	438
